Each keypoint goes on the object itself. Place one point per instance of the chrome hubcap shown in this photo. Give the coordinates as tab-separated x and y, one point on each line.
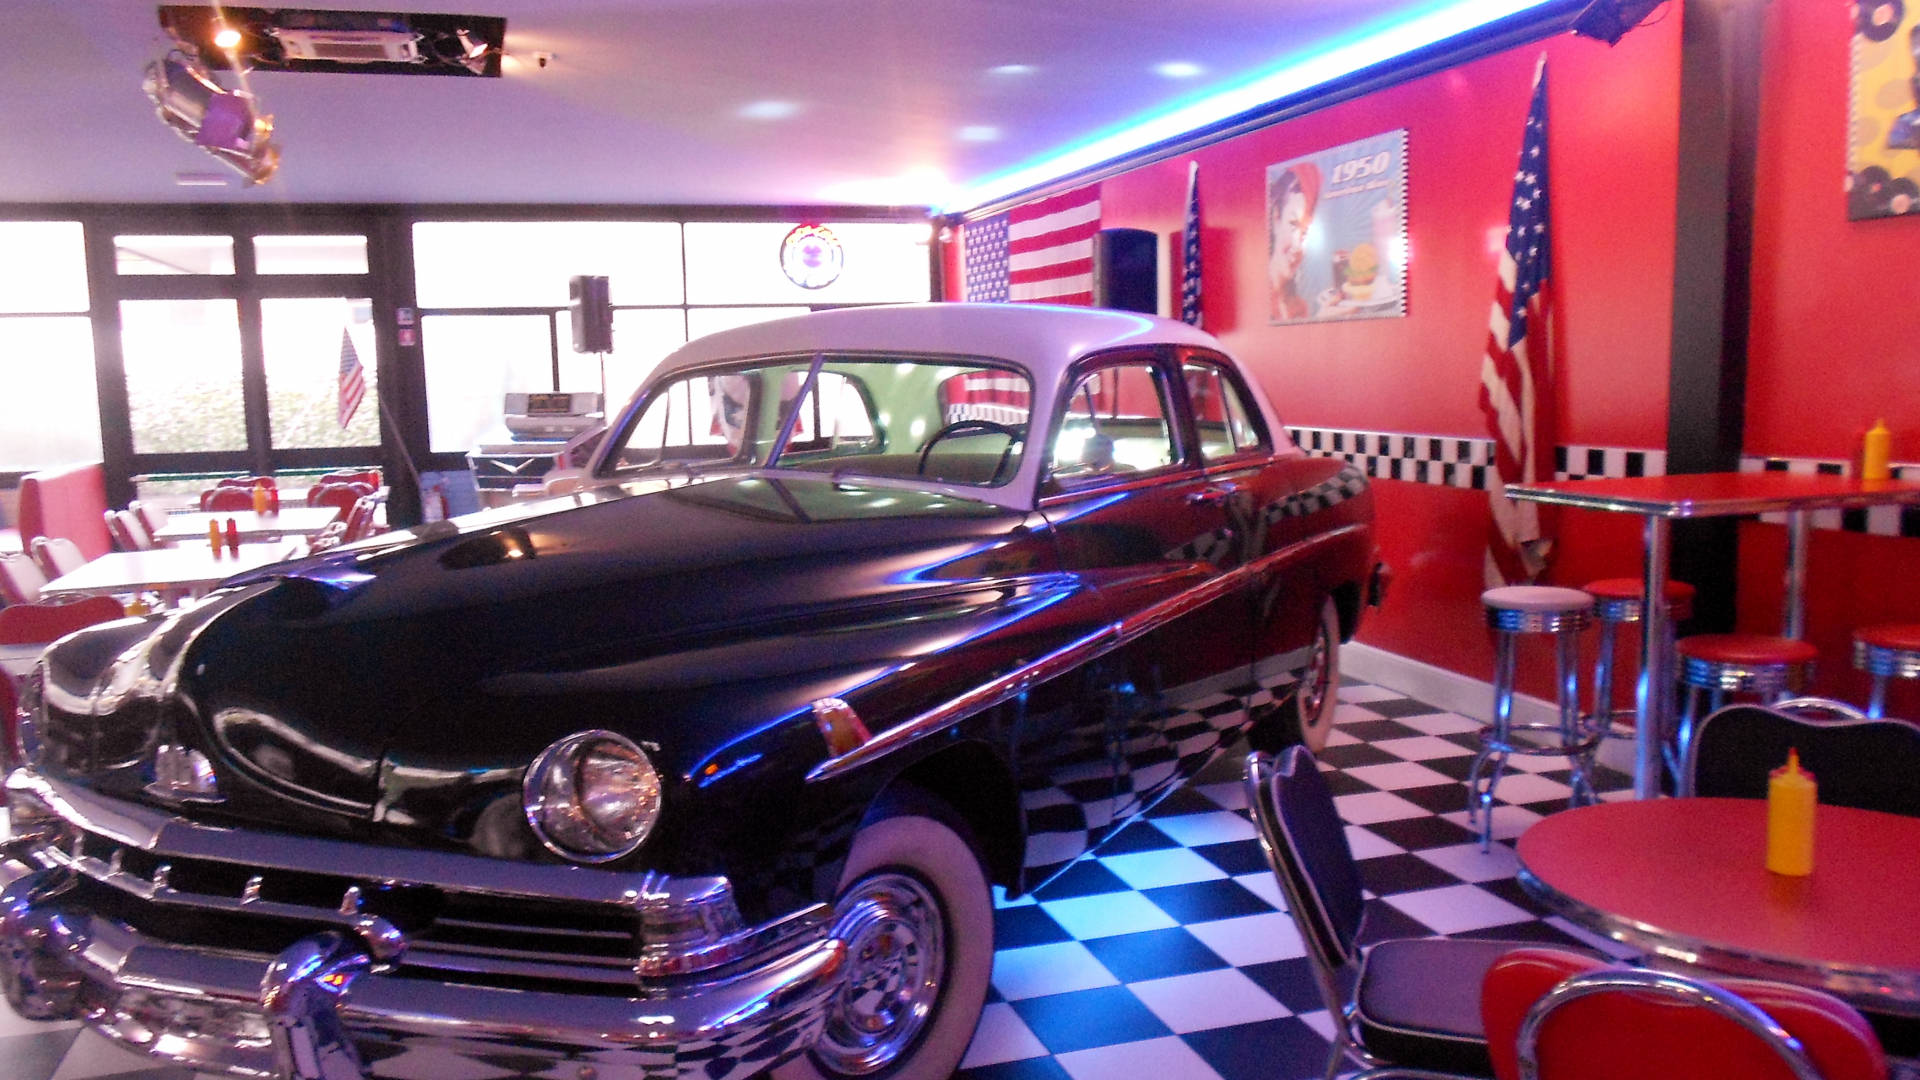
1314	687
896	957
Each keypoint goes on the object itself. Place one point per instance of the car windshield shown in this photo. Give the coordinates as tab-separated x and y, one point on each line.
949	420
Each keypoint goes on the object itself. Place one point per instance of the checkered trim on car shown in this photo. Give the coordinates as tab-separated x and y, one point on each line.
1874	520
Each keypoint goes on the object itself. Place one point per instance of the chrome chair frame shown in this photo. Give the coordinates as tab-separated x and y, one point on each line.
1715	999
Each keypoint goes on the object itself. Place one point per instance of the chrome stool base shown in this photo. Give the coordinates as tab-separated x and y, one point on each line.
1510	612
1895	656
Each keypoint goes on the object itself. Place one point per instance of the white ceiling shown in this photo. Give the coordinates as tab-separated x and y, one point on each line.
651	101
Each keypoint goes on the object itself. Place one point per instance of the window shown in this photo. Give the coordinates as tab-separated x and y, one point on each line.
642	337
306	360
738	262
46	347
173	255
473	264
472	361
1221	414
183	375
310	254
1115	422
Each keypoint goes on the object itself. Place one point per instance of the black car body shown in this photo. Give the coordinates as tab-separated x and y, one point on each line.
704	766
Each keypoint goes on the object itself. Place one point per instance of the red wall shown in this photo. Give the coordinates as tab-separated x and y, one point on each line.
1613	130
1835	343
1835	326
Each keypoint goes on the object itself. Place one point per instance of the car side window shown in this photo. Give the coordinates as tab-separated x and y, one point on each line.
1222	416
1116	421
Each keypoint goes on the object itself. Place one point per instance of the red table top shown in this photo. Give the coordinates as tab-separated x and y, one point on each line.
1718	494
1689	876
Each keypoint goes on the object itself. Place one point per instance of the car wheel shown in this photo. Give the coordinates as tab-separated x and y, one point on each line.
916	913
1314	703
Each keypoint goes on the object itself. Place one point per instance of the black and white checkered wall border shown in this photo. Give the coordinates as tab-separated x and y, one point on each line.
1874	520
1463	463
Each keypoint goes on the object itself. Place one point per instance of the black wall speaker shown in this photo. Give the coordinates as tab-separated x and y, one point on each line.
592	309
1126	269
1609	20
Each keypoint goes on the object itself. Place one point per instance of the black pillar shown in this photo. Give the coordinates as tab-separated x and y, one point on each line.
1712	268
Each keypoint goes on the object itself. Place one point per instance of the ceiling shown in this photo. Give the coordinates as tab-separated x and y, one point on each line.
758	102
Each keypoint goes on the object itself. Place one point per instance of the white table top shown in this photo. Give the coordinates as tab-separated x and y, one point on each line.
186	527
187	567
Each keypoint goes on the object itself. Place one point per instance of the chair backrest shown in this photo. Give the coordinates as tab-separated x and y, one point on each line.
361	518
1869	764
1551	1014
128	531
153	517
20	578
56	555
369	477
226	498
31	624
66	501
248	482
1306	846
340	495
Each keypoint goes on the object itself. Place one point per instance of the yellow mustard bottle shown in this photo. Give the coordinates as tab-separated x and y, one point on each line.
1876	451
259	498
1791	796
213	536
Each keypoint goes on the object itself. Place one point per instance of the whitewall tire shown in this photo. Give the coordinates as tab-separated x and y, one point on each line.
1314	703
916	912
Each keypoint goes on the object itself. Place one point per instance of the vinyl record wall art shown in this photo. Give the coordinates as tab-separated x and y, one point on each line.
1883	133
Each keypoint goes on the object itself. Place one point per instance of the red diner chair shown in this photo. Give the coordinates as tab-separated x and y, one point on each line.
247	482
340	496
226	499
128	531
153	517
20	578
56	555
1551	1014
31	624
369	477
363	520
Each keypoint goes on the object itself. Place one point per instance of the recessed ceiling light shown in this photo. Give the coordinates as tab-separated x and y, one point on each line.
768	110
1177	69
226	37
979	133
1011	69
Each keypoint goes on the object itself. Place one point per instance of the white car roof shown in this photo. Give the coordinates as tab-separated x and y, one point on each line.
1045	339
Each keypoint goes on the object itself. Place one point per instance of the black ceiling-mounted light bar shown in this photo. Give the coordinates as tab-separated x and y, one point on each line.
371	42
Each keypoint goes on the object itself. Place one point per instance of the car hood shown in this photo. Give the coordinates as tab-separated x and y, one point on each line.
448	656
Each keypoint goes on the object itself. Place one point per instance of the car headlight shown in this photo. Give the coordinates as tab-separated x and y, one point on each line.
592	796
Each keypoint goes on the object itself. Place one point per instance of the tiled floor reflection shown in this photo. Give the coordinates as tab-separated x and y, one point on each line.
1170	955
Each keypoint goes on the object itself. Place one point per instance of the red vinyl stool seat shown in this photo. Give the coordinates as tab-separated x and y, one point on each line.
1764	665
1510	612
1888	651
1617	601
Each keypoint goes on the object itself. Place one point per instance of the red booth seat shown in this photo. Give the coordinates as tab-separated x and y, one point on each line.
69	501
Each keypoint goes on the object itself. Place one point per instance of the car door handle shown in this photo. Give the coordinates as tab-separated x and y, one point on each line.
1213	495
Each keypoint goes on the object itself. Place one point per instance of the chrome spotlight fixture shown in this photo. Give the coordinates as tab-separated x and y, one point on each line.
224	123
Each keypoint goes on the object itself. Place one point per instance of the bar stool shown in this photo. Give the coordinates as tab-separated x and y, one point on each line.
1617	601
1532	609
1884	652
1720	664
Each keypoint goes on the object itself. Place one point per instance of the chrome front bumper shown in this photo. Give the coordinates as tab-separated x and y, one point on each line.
335	1004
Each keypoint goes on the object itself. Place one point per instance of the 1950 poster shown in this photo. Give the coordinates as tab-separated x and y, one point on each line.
1337	232
1883	133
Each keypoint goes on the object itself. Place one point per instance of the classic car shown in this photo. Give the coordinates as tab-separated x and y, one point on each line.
708	766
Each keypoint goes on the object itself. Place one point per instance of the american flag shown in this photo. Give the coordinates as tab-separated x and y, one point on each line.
1190	252
1041	251
1516	378
353	380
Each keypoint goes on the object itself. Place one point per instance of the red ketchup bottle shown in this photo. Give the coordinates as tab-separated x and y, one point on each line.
233	536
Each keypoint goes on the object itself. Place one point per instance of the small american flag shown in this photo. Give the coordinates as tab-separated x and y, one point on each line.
1040	252
353	380
1516	377
1190	251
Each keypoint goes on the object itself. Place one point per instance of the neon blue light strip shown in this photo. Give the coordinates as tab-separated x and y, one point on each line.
1343	58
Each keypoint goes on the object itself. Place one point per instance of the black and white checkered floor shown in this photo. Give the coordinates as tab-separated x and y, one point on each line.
1171	954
